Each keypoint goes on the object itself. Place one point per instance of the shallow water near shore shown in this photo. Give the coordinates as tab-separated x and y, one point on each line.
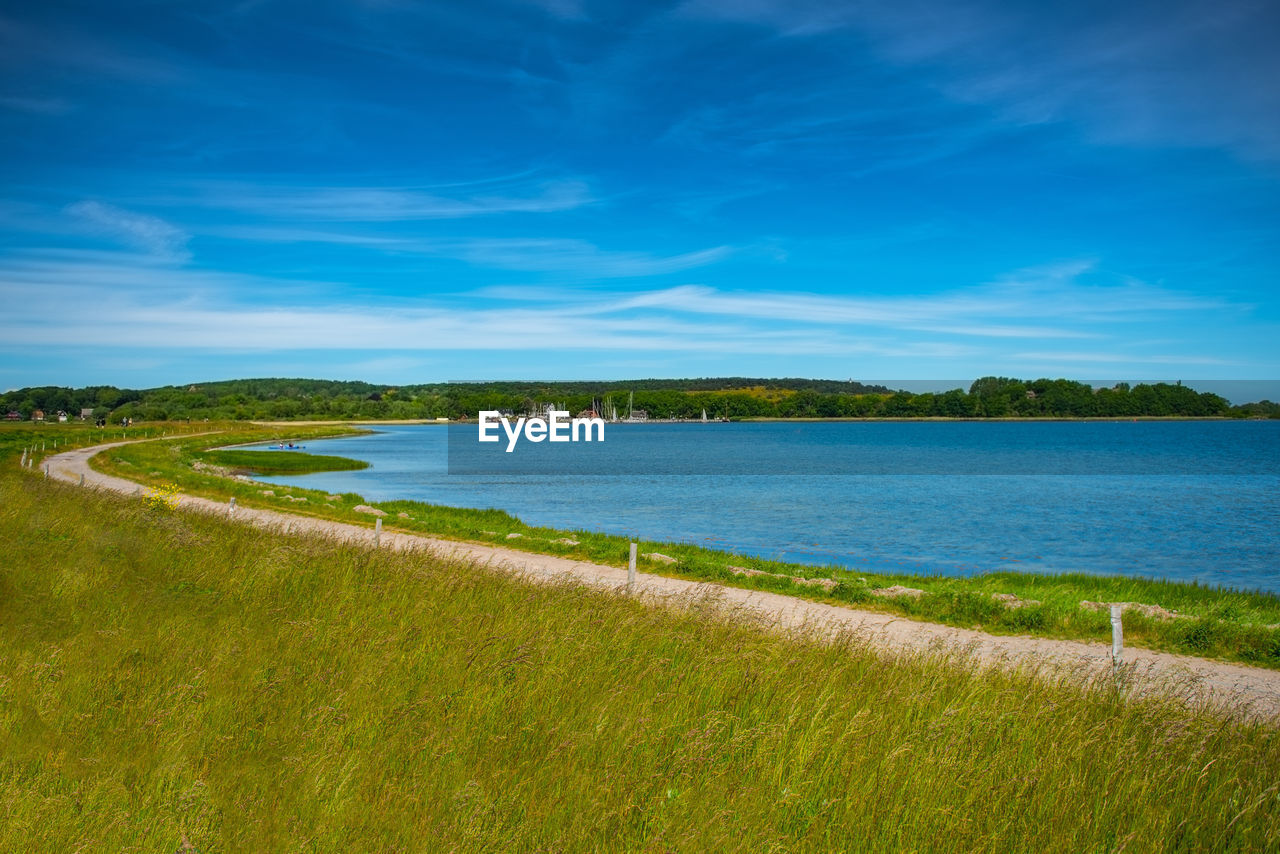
948	498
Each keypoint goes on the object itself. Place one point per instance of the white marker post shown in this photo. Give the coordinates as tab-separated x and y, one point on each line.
1117	637
82	479
46	471
631	569
377	533
231	507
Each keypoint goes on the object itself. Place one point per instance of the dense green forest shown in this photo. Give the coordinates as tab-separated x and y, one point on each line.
733	397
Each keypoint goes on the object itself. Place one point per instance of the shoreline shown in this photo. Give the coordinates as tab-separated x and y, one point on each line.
807	420
1238	624
809	566
1254	690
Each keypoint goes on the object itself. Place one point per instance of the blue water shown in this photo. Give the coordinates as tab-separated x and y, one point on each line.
919	497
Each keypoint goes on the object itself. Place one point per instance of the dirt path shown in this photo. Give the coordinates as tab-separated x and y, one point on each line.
1252	689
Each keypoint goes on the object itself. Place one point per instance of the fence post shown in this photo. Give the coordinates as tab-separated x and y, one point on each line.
46	471
1117	637
377	533
631	568
231	506
82	478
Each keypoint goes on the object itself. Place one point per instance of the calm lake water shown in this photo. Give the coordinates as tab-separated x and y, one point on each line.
1179	500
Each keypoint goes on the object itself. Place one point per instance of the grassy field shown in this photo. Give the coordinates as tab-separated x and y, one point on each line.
171	680
1228	624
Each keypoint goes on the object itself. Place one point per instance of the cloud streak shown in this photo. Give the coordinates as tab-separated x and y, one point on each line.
1173	74
157	308
150	234
389	203
565	257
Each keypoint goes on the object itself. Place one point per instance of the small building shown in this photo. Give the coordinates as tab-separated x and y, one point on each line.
86	413
62	417
13	415
638	415
588	413
38	415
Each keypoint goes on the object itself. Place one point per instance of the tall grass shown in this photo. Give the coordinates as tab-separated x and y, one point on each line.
1231	624
261	462
170	679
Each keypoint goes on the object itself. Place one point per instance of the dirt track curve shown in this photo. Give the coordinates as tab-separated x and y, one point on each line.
1251	690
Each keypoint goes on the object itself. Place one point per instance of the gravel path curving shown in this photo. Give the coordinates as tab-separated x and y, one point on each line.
1253	691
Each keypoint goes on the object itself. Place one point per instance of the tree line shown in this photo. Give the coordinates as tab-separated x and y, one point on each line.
733	397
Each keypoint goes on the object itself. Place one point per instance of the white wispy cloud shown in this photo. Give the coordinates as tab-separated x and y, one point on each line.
1120	358
580	256
390	203
1045	302
1188	74
567	257
150	234
94	301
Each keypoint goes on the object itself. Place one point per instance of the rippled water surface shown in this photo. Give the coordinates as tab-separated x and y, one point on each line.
1180	500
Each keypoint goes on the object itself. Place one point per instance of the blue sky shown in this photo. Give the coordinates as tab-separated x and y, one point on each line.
410	192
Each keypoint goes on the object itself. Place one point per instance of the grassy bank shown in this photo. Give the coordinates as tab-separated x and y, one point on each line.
282	462
173	679
1234	625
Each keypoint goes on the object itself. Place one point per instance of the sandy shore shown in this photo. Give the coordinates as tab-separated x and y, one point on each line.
1253	690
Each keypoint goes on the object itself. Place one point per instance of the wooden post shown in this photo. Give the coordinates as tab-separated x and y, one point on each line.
82	479
231	506
631	569
377	533
46	471
1117	637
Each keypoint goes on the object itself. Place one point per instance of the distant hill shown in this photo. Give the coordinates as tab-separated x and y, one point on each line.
720	397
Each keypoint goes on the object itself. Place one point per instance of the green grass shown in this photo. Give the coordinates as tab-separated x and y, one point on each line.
279	462
1220	623
171	679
